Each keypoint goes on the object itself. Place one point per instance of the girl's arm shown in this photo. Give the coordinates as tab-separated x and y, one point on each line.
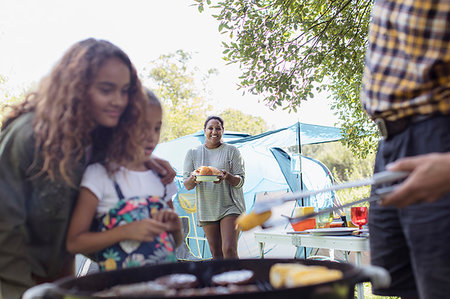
81	240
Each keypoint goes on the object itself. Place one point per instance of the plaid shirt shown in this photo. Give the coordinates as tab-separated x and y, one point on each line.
407	68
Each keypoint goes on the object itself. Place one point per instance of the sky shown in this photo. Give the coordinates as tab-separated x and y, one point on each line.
35	34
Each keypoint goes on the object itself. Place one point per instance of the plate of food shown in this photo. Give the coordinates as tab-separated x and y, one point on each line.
337	231
206	178
207	174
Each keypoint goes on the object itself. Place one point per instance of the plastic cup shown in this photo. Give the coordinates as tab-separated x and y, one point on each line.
348	216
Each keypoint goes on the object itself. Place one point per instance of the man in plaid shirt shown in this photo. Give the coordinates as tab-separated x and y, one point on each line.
406	91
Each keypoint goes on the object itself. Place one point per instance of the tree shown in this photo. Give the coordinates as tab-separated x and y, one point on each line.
7	98
173	81
344	166
183	93
290	49
237	121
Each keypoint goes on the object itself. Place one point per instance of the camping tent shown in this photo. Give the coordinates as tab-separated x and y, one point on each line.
268	167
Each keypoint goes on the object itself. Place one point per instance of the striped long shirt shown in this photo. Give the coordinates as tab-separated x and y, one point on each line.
215	201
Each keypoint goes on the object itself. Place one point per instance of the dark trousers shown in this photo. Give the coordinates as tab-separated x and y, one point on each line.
413	243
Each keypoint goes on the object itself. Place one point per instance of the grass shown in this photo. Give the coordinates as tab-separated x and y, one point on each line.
368	293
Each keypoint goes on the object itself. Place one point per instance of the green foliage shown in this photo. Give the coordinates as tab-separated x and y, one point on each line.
368	293
237	121
7	98
344	166
174	81
287	48
183	93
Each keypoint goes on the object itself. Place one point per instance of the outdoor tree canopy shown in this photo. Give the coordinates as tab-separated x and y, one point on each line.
288	50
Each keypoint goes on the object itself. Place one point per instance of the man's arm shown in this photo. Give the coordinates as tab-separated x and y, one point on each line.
429	179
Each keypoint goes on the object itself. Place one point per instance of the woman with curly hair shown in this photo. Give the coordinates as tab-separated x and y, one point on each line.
89	105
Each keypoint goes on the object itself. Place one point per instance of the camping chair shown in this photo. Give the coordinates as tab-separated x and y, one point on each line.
183	252
188	203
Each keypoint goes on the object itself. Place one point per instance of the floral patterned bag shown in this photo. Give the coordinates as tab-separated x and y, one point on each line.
130	253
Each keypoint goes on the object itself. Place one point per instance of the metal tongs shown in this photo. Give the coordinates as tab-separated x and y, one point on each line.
377	179
379	193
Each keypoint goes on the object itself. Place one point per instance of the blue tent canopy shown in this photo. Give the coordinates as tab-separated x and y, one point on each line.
288	136
268	169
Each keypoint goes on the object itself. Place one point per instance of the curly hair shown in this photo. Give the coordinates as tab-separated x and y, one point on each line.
63	124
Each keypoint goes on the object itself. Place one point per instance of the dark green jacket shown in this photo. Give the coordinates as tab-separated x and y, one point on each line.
34	212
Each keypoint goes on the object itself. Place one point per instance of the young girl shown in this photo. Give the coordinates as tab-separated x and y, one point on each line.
45	144
130	204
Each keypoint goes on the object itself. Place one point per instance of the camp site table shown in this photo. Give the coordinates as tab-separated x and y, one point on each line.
345	243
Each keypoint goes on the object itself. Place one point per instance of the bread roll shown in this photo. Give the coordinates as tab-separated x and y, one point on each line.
207	170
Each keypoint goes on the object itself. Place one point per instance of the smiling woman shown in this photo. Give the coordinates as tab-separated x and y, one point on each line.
219	201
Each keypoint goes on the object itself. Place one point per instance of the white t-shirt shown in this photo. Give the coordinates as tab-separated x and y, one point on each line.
132	183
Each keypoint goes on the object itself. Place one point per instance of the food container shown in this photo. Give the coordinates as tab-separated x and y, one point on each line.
344	288
305	224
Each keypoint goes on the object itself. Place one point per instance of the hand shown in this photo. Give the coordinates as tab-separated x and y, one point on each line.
191	182
222	177
429	179
193	177
170	218
163	168
144	230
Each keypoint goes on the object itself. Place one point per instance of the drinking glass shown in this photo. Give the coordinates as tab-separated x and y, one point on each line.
359	216
323	220
348	216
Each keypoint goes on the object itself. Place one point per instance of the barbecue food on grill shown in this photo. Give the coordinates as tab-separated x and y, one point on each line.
279	272
185	285
178	281
148	288
208	291
314	277
296	275
236	277
207	170
248	221
282	275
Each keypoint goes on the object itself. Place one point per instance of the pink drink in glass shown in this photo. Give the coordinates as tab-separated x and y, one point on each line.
359	216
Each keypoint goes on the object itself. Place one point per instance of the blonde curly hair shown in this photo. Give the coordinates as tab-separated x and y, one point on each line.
63	124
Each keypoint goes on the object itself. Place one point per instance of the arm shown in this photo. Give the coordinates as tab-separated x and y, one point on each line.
188	170
231	179
190	182
237	173
163	168
16	154
429	179
81	240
